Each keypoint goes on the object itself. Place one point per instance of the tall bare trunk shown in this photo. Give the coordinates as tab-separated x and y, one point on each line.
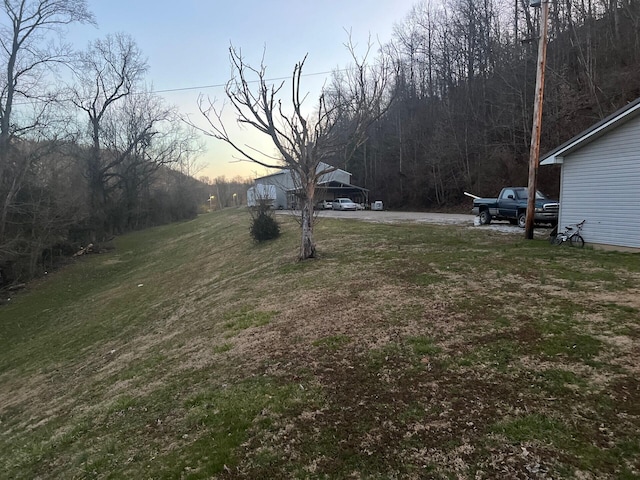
307	244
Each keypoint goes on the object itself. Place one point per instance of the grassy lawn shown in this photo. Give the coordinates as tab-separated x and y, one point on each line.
403	351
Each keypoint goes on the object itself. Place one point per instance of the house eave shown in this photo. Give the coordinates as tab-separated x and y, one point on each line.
624	114
553	160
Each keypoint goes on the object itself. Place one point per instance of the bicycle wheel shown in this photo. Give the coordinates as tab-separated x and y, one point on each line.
555	240
577	241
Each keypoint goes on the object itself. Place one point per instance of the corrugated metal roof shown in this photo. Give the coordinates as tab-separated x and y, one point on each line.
321	166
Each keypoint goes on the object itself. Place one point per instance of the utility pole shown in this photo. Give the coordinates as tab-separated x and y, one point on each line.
534	153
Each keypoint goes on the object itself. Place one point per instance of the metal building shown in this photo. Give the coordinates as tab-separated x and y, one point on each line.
334	184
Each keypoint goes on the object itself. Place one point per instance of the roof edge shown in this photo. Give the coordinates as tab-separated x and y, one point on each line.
556	156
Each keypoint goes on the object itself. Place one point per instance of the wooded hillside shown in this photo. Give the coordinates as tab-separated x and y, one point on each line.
86	149
462	113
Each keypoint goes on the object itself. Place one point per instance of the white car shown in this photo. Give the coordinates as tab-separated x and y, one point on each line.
344	204
325	205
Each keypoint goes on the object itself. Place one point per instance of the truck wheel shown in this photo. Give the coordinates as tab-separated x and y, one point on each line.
485	217
522	220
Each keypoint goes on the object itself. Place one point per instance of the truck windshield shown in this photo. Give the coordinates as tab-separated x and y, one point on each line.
524	194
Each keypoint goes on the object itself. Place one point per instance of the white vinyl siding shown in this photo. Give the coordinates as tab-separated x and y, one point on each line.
601	183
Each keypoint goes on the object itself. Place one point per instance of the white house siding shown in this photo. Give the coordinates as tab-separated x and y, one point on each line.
601	183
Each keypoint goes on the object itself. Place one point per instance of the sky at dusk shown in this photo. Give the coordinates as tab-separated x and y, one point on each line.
187	42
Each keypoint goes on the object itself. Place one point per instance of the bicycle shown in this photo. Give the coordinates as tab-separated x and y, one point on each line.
570	235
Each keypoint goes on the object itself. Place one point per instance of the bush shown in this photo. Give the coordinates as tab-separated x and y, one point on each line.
264	227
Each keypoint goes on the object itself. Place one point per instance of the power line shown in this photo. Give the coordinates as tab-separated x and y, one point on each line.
199	87
219	85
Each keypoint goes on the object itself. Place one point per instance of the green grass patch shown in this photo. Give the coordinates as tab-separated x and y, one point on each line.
244	318
573	345
333	342
578	444
535	427
423	346
224	417
225	347
623	317
385	357
559	382
502	354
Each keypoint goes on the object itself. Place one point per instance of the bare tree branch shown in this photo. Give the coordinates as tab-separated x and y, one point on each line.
303	142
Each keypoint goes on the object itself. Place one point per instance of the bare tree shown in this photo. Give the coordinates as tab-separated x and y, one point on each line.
140	136
303	142
108	71
26	53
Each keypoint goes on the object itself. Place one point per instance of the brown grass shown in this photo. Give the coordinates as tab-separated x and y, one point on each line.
416	352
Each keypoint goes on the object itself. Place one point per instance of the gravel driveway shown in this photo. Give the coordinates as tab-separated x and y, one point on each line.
387	216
